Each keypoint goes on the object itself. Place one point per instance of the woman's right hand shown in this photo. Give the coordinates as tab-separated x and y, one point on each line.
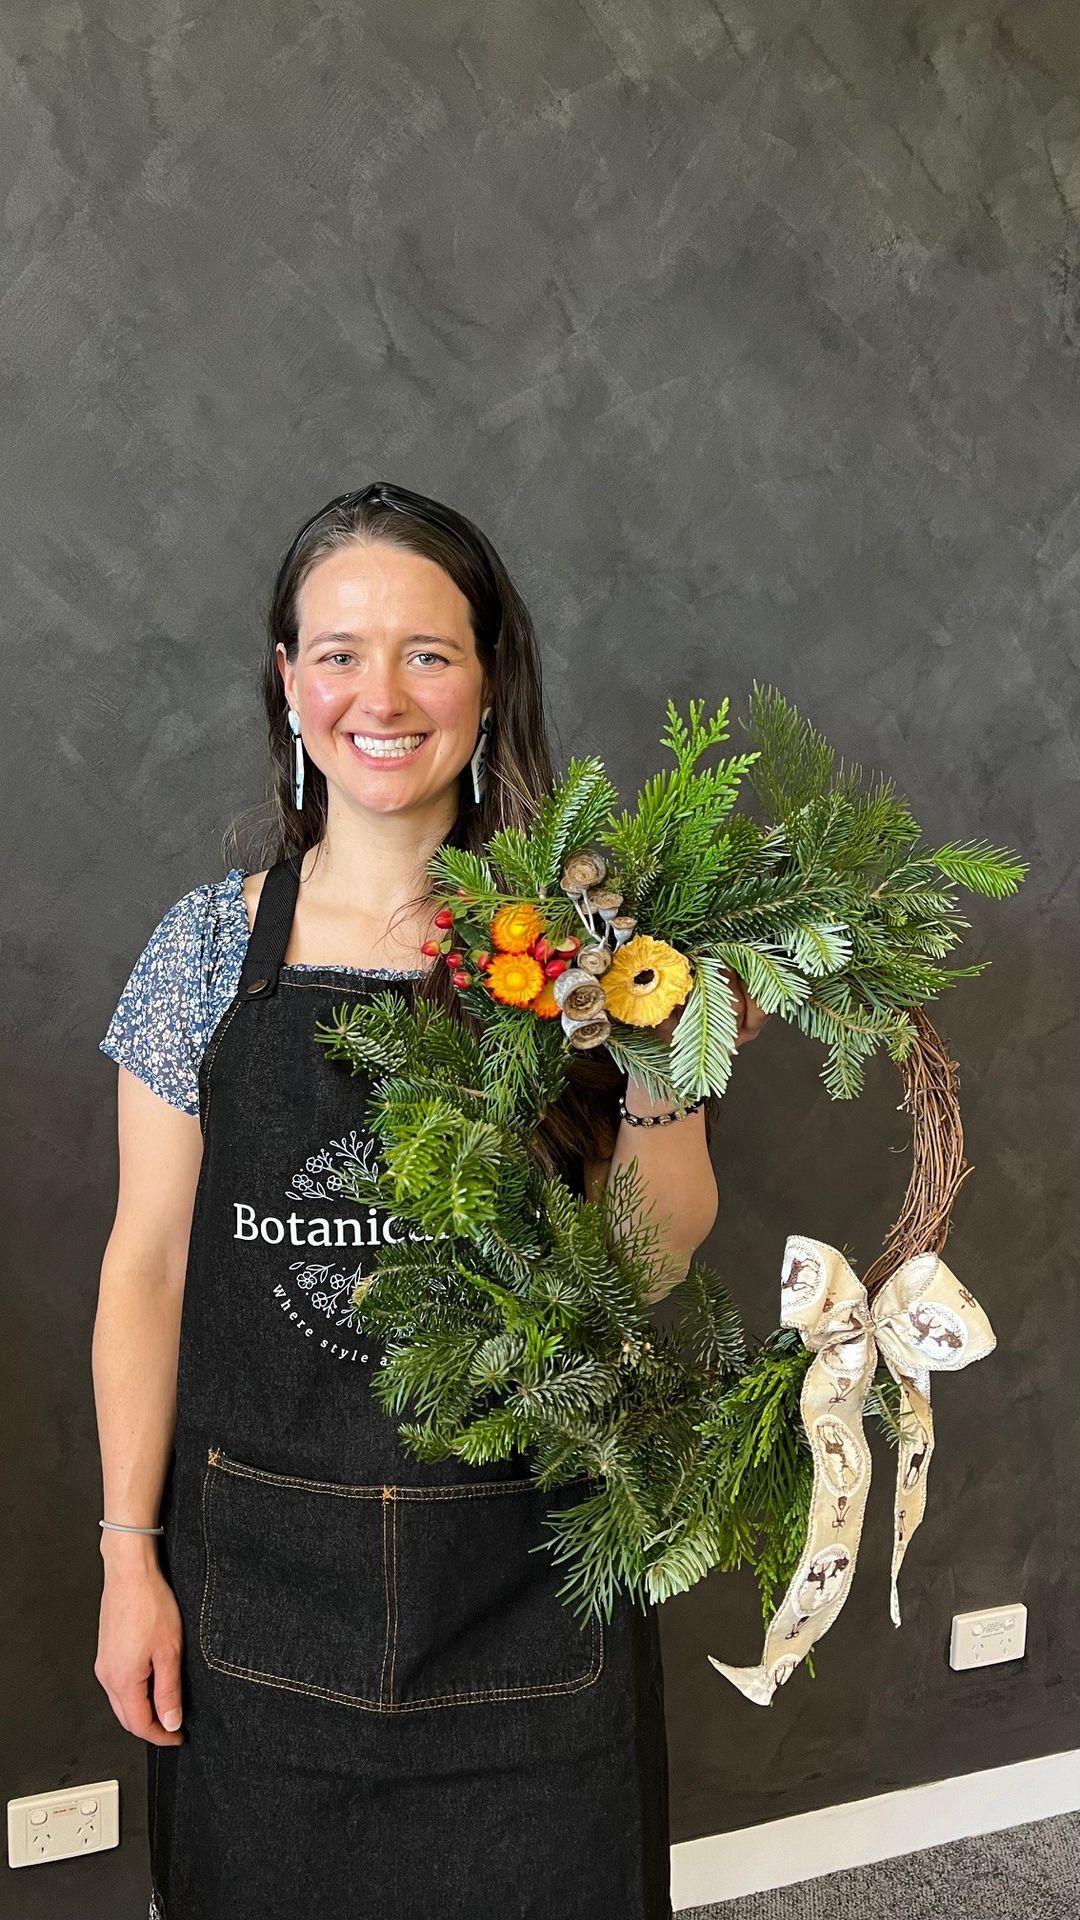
140	1637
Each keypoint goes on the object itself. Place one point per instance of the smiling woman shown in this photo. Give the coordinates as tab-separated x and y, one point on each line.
298	1614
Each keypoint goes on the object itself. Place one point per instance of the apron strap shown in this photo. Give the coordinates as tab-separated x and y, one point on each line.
270	935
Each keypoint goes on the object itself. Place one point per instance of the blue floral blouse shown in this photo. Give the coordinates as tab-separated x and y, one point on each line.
181	984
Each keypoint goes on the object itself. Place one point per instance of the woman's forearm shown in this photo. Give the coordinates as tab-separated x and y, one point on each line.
677	1181
135	1346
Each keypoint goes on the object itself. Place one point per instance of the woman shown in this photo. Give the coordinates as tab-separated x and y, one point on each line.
359	1689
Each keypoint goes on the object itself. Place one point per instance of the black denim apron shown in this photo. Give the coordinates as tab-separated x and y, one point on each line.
389	1713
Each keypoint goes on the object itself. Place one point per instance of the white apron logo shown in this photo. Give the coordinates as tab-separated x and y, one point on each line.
324	1284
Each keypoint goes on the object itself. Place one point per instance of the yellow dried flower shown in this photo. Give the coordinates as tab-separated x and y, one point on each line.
646	981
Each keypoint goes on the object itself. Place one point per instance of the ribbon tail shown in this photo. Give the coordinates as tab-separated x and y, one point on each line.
926	1323
755	1682
831	1405
913	1461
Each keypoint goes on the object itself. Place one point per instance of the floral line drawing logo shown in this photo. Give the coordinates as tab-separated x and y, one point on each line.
321	1178
326	1285
331	1287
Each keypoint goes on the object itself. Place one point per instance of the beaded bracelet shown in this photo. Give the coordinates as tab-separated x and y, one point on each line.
658	1119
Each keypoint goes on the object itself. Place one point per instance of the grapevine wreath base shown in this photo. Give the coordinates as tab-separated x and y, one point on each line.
910	1312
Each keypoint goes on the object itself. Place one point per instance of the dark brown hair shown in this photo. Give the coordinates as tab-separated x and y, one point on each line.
583	1122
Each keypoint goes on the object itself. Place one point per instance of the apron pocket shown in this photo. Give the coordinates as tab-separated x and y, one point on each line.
297	1590
475	1614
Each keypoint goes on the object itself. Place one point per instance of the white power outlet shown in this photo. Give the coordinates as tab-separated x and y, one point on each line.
985	1639
54	1826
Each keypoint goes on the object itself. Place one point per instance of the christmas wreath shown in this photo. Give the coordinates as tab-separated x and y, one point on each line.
530	1330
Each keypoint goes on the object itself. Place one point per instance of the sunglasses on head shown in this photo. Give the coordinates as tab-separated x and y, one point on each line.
382	493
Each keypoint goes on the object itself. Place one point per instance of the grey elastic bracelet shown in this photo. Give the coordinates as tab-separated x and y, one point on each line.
117	1526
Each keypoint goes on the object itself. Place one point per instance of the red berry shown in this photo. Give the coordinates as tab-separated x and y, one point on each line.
431	948
481	959
444	917
569	946
541	950
553	969
454	959
461	979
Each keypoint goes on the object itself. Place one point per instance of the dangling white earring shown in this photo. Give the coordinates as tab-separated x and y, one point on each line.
298	758
478	763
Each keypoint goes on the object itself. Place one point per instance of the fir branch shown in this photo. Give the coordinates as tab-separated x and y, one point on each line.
766	972
704	1043
711	1323
635	1050
982	869
568	817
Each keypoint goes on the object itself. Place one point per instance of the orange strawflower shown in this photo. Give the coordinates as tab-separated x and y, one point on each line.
516	926
545	1006
514	979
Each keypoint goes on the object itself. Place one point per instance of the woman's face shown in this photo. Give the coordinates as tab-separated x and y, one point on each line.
385	647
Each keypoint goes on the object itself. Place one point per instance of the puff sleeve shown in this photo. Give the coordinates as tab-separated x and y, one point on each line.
159	1029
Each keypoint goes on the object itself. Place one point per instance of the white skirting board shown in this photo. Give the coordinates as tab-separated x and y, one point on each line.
724	1866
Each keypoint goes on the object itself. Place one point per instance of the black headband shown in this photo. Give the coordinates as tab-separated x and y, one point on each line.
382	493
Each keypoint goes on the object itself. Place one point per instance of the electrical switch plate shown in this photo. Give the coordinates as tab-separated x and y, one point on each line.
987	1637
55	1826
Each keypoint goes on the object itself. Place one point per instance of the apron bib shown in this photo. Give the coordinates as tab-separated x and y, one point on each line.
389	1714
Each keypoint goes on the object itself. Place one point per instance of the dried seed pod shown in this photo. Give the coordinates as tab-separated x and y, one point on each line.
573	977
606	902
594	960
581	871
623	928
583	1034
578	993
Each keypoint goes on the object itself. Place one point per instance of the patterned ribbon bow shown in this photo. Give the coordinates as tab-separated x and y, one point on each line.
916	1334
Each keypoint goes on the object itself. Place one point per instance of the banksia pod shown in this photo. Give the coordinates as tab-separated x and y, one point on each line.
578	994
583	1034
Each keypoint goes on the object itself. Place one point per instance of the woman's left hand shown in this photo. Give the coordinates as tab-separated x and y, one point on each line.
750	1017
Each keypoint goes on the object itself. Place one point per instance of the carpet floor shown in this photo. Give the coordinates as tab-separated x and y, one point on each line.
1023	1873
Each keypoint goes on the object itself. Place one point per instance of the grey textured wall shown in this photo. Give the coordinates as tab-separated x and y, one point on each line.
750	333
